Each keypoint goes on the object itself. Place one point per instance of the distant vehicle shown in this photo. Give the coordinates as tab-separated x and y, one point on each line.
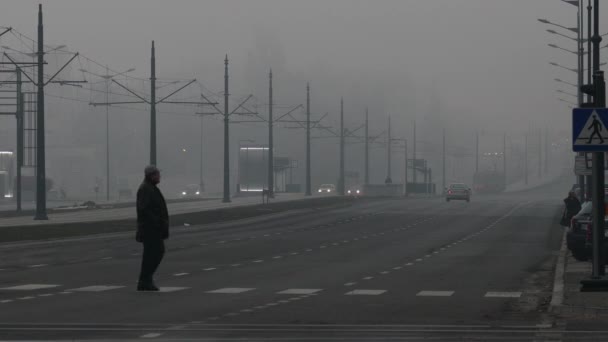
458	191
576	235
488	182
191	191
327	188
356	190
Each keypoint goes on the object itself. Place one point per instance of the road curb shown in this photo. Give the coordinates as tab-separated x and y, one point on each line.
557	297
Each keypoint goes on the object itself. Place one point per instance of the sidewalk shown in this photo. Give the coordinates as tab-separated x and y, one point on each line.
98	215
570	301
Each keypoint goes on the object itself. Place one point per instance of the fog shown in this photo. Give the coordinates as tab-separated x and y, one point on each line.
459	66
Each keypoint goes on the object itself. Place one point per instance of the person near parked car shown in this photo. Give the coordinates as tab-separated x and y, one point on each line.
152	227
573	206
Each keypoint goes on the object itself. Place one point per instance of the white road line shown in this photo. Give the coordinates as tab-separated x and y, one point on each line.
499	294
106	258
323	247
418	259
397	268
247	310
232	290
277	257
309	250
350	284
150	335
435	293
299	291
180	274
235	265
166	289
38	265
294	253
5	301
368	278
46	295
97	288
365	292
258	261
221	242
209	269
409	264
26	298
29	287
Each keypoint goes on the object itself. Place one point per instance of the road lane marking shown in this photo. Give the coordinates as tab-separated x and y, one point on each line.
435	293
232	290
5	301
499	294
209	269
350	284
180	274
299	291
166	289
365	292
97	288
368	278
29	287
150	335
277	257
235	265
258	261
397	268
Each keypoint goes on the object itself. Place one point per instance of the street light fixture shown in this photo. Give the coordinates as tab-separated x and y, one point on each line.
545	21
565	82
566	93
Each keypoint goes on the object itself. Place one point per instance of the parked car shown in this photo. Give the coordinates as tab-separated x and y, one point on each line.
327	188
191	191
576	236
458	191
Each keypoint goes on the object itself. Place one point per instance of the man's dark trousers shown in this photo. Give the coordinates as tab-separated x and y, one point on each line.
154	250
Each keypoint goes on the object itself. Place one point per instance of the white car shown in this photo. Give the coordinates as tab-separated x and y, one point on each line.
327	188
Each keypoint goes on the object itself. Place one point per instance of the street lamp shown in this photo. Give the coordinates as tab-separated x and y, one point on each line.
565	92
561	48
107	77
568	102
565	36
545	21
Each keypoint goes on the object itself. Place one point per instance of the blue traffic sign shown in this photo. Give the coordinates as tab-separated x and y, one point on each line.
589	132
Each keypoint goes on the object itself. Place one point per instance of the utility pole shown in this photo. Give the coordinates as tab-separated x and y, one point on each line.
526	159
366	166
504	158
20	100
414	172
443	164
308	178
476	151
270	140
153	106
226	198
201	183
341	179
40	137
540	153
389	152
405	193
547	150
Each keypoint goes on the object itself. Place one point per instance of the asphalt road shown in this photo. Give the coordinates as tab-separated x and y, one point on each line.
377	270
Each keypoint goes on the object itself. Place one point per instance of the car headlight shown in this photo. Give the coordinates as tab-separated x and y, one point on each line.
320	190
184	193
349	191
358	191
328	190
198	192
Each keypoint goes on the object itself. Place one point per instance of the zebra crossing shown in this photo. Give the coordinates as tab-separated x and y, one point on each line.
100	288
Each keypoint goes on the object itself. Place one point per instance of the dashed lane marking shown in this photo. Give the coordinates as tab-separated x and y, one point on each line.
150	335
166	289
97	288
180	274
38	265
299	291
232	290
30	287
350	284
498	294
365	292
435	293
209	269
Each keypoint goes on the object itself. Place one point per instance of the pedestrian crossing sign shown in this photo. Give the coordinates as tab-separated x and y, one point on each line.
589	132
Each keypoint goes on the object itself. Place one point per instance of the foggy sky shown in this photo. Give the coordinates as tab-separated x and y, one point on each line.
459	65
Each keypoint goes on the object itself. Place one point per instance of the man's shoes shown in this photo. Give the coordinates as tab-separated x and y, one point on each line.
147	286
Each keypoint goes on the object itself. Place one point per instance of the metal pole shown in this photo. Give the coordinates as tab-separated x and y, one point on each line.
443	164
547	150
226	137
153	107
526	159
270	140
476	151
540	153
366	166
589	47
414	172
40	142
308	176
598	157
107	135
341	184
20	99
389	143
580	71
405	175
201	181
504	158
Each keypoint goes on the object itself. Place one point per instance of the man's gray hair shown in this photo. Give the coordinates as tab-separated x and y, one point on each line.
150	170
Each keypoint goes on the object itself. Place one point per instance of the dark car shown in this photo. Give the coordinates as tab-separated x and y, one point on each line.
576	237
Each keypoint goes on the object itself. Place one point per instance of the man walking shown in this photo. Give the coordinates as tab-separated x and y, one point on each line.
152	227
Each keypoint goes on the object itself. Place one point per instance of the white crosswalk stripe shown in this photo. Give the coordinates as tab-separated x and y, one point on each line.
435	293
365	292
498	294
166	289
299	291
